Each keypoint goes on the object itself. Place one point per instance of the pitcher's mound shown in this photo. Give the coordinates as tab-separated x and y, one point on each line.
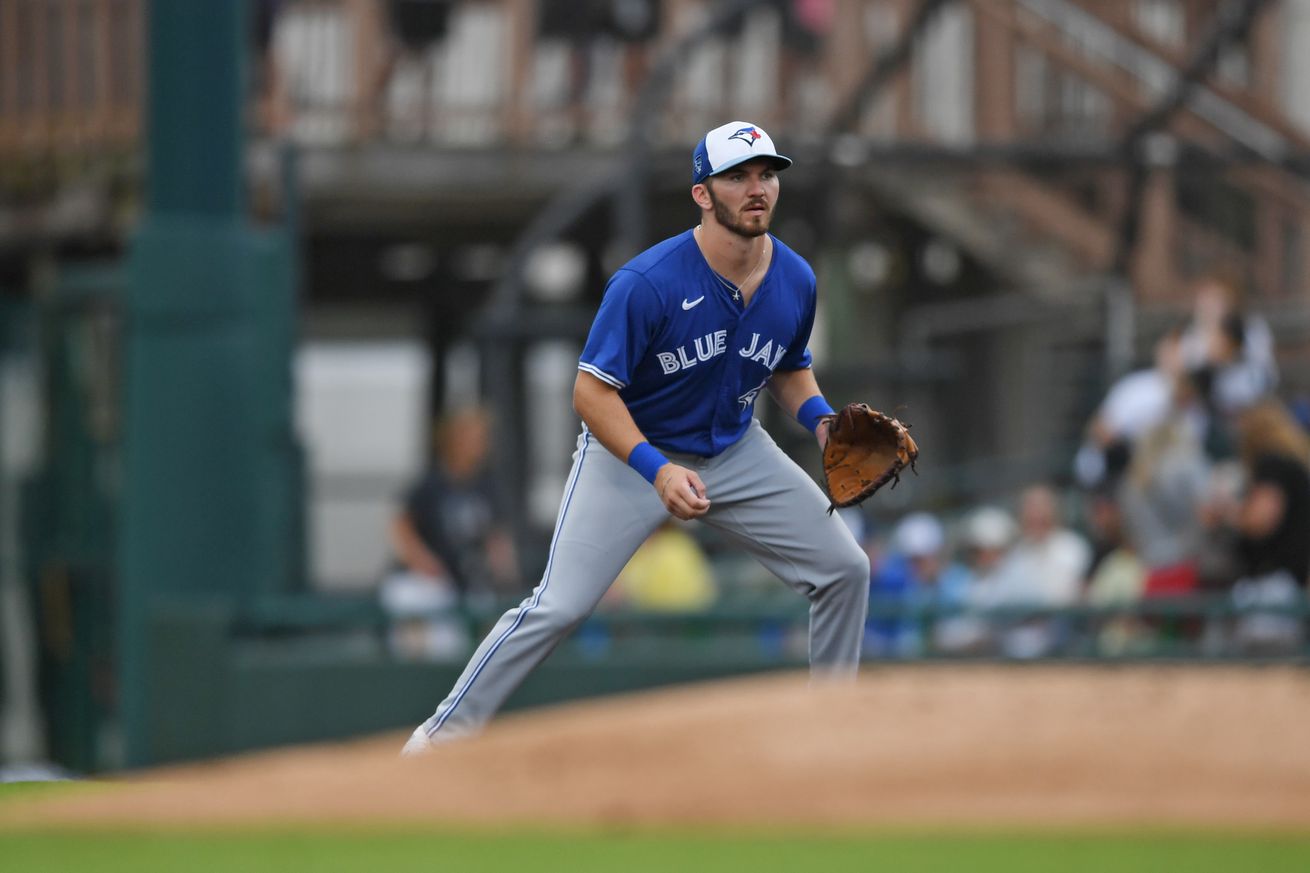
909	745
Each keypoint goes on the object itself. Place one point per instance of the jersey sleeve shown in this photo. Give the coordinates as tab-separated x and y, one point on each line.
798	355
626	322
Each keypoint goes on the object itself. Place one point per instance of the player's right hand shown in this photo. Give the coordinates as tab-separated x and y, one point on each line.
682	491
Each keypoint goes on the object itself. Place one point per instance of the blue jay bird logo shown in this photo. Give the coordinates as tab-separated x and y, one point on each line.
749	397
747	135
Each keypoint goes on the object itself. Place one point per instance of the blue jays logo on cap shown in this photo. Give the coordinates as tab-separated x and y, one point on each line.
747	135
729	145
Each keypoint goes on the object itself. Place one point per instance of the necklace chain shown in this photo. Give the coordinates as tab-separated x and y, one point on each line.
735	289
736	292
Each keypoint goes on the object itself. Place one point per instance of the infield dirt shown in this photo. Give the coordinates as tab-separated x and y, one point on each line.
934	746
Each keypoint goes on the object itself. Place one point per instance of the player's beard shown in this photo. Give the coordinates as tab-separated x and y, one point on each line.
723	215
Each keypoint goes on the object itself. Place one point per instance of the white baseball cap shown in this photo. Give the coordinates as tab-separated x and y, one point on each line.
919	534
729	145
989	527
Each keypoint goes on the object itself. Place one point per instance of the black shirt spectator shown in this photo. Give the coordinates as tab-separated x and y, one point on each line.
455	519
449	530
1286	546
1274	516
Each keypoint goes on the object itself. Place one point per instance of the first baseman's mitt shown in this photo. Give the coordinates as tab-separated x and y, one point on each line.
865	451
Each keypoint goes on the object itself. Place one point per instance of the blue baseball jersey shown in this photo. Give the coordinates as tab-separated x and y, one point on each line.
687	358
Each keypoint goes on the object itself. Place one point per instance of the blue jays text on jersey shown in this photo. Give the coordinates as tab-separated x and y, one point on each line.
688	360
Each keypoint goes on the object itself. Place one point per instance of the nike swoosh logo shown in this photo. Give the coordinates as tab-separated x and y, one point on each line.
691	304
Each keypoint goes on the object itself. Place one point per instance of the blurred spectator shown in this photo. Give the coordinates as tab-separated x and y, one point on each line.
986	536
573	26
1134	405
415	27
1104	525
449	543
1217	560
635	24
915	577
806	25
1273	526
1047	563
1120	581
668	573
1044	570
1166	483
1229	348
1117	577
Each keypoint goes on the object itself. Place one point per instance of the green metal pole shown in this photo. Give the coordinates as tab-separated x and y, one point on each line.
195	107
209	502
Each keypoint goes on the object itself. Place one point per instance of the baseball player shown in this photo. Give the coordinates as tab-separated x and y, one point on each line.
688	334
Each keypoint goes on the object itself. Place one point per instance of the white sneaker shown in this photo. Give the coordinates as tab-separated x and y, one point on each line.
418	744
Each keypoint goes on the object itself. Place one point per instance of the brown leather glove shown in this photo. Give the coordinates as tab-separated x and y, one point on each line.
865	450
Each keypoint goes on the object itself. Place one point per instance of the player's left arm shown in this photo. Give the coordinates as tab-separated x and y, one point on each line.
797	392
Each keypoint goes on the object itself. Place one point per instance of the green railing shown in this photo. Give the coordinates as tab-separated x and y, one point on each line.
1203	626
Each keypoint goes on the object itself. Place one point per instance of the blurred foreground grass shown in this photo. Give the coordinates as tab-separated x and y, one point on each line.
336	849
332	850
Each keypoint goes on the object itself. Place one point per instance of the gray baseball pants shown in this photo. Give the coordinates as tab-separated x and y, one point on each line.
758	497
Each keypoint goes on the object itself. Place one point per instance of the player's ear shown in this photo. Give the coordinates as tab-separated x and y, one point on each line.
701	194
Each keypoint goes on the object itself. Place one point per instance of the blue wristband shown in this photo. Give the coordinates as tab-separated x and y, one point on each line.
812	410
646	460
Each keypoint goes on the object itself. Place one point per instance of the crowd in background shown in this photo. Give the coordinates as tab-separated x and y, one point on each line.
1192	487
1193	483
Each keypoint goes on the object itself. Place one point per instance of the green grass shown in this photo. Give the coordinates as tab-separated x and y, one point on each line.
24	790
336	849
519	852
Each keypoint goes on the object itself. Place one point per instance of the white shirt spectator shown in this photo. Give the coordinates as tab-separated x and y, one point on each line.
1137	403
1048	572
